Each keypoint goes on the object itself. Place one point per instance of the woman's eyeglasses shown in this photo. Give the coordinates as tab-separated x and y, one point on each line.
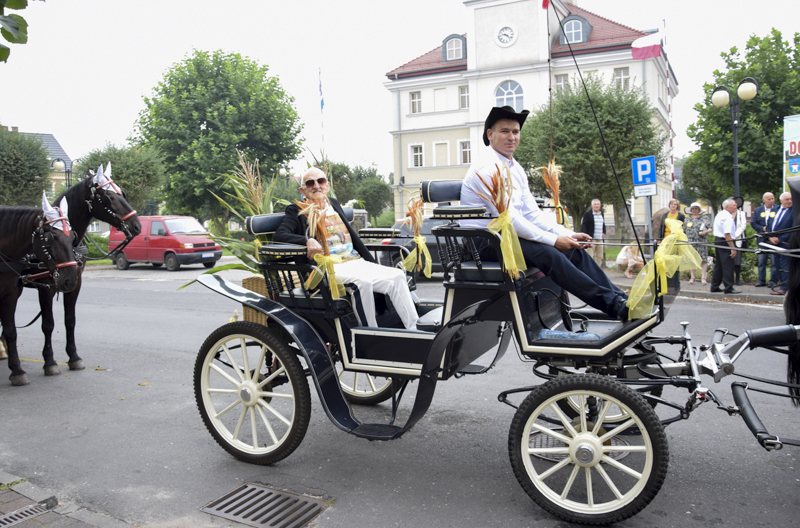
320	181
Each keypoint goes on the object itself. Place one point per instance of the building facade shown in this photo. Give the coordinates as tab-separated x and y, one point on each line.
441	99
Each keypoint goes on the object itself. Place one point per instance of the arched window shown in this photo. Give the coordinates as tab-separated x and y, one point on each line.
454	49
574	31
509	94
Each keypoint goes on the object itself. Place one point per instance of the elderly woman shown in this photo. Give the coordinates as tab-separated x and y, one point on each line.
697	226
673	214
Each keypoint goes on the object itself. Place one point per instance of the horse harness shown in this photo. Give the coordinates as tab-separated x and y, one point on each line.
105	205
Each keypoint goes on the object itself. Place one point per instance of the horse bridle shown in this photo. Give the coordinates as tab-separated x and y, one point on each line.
105	205
46	241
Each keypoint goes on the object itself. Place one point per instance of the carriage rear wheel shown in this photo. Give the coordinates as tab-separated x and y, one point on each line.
588	469
361	388
252	393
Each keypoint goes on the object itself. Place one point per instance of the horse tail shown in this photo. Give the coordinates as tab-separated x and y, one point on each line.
791	308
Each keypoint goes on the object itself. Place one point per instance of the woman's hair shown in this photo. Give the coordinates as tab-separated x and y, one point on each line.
674	201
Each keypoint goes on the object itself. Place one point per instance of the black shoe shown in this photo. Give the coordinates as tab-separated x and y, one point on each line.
715	290
732	291
760	284
621	307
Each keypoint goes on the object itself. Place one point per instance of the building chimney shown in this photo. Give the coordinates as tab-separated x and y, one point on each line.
15	129
5	128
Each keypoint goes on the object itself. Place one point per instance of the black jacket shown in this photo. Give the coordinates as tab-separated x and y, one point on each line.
294	229
587	223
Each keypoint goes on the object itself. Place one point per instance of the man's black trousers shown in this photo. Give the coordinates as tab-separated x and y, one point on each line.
723	267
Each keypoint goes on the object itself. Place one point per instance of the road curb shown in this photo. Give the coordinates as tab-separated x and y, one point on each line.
28	490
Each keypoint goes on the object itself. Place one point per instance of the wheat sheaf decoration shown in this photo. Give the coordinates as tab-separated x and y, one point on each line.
550	175
315	212
500	187
414	261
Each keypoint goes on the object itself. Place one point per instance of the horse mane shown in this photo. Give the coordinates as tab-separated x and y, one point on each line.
79	215
15	221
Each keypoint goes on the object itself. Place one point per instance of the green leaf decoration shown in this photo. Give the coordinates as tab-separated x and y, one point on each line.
10	28
20	36
4	53
16	4
234	265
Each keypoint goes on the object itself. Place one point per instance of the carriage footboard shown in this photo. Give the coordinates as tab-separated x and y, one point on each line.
767	441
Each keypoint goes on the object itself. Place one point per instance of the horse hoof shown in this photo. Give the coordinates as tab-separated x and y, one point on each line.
52	370
20	380
76	365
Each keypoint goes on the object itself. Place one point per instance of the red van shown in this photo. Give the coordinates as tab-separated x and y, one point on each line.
169	240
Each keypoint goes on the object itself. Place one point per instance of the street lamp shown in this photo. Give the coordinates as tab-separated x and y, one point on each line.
748	88
288	175
59	165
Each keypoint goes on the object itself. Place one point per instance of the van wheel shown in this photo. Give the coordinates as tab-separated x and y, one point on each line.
171	262
122	262
208	264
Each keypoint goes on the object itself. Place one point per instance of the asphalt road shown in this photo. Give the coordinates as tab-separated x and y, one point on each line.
124	436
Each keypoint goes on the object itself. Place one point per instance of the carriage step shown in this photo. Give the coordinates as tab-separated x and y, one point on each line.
376	431
473	369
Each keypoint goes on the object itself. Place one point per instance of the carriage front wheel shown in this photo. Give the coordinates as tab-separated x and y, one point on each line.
252	393
588	469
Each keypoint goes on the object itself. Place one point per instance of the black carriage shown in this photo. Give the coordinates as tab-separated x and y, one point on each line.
585	445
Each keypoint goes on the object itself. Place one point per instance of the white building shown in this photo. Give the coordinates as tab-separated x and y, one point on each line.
441	99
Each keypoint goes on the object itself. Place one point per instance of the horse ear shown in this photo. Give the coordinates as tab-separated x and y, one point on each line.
45	204
108	170
64	206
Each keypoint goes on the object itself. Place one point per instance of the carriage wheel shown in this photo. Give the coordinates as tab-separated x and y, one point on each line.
588	470
361	388
252	393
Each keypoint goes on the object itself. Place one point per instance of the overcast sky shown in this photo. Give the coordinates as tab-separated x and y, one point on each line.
88	63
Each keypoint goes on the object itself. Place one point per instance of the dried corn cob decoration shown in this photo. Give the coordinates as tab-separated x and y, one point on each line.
413	261
550	175
315	212
500	189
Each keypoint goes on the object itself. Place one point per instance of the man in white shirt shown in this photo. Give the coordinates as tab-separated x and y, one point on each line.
724	235
552	248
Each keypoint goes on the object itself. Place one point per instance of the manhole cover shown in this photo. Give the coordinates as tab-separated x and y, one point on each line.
258	505
539	440
23	514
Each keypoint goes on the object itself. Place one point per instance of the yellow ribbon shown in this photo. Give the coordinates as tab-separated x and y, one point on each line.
674	254
411	262
513	259
325	264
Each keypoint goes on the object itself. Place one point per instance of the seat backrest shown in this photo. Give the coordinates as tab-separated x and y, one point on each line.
267	224
436	191
349	214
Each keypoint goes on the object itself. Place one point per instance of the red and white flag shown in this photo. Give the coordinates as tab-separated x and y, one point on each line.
647	47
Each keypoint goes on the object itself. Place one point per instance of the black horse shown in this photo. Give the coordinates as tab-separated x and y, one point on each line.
26	234
96	196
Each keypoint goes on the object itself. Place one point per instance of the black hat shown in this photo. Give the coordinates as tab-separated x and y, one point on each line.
504	112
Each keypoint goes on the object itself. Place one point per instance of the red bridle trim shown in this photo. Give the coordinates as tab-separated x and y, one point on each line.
128	215
37	275
67	264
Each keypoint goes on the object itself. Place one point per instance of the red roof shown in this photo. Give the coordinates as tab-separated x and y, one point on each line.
428	64
605	34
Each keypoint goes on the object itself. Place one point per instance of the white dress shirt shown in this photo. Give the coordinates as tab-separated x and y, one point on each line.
723	223
528	220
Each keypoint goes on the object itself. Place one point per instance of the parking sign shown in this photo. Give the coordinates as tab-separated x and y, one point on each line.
644	176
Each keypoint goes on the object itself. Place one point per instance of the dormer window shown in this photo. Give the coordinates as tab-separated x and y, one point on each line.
454	48
576	30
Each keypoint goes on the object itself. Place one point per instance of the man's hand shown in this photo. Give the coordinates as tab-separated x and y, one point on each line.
565	243
775	240
314	248
733	253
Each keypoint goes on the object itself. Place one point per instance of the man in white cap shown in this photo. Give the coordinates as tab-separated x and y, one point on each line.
554	249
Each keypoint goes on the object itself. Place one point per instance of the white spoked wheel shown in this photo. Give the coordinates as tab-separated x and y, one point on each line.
252	393
588	469
362	388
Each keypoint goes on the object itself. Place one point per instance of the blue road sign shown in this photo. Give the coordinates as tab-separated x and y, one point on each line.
644	170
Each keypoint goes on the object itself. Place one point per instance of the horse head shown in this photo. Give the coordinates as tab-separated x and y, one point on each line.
107	203
52	240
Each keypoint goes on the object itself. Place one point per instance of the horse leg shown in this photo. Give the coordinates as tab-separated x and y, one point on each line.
8	305
70	299
48	324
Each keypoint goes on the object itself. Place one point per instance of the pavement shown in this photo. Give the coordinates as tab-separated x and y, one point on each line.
19	495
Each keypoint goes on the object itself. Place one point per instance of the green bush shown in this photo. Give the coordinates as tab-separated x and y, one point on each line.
100	241
241	235
386	219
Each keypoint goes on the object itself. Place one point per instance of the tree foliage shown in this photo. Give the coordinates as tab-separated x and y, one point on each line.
376	195
701	184
13	27
139	171
208	106
775	64
24	169
630	132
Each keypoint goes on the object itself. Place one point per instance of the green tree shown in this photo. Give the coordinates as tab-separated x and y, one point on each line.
138	170
24	169
630	132
208	106
698	181
376	195
775	64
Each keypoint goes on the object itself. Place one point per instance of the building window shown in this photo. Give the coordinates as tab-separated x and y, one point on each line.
621	78
454	49
509	94
464	154
574	31
416	102
94	227
416	156
561	82
463	97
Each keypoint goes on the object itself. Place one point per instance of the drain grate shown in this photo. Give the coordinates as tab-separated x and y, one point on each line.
23	514
540	440
258	505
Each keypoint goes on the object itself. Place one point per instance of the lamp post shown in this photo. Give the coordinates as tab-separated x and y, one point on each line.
288	175
747	90
59	165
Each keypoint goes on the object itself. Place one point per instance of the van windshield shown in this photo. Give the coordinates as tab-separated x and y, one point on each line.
184	226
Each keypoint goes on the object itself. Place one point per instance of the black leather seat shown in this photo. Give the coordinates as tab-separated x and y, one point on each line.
298	299
431	321
492	272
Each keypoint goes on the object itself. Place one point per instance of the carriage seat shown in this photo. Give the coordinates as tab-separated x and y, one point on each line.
431	321
297	298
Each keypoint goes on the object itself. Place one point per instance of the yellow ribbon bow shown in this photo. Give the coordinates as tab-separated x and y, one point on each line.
513	259
412	261
674	253
325	263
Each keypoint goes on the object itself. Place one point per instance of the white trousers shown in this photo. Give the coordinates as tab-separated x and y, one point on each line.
370	277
